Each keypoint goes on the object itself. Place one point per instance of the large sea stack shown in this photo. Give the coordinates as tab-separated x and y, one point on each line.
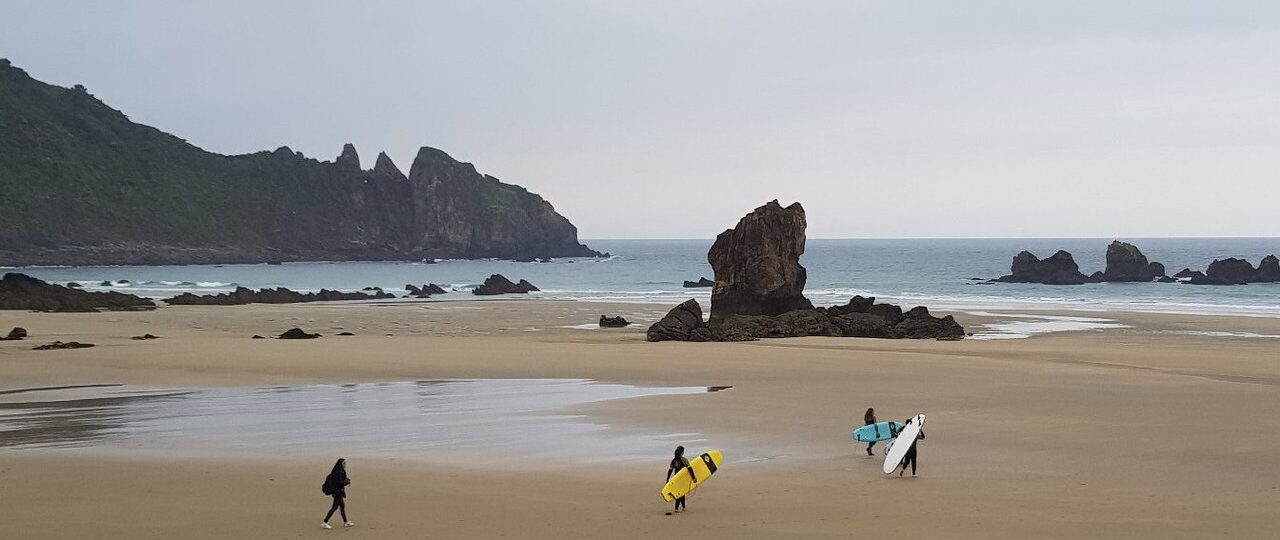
85	185
758	293
757	264
1125	262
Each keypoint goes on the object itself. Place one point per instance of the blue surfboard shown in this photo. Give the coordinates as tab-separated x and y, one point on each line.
880	431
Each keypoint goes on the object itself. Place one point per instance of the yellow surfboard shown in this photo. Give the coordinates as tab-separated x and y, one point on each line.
703	467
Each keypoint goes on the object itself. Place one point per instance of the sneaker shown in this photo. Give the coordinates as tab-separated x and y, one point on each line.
348	524
326	525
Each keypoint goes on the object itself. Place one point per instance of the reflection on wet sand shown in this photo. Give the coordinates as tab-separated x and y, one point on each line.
525	418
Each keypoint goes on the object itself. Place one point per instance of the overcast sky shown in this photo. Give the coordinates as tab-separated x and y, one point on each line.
671	120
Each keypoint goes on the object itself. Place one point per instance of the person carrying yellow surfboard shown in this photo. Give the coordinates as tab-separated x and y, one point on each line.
679	463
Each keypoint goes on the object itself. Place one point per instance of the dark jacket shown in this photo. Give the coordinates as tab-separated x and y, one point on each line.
336	483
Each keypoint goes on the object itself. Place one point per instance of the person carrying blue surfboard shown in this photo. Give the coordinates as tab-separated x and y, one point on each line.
870	419
679	463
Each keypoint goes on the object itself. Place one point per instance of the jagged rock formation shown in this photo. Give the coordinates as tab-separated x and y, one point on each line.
20	291
1125	262
499	284
1057	269
613	322
757	264
758	293
84	185
16	334
702	282
279	295
424	291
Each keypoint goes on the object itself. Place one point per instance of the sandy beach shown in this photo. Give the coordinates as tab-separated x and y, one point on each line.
1166	427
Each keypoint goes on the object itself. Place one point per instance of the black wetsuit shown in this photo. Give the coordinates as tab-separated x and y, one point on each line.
910	456
870	419
677	464
336	486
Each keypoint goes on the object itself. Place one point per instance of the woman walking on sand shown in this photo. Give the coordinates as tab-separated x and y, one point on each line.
335	485
869	418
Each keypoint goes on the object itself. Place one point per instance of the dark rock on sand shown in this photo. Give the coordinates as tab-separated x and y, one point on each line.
345	334
279	295
499	284
1125	262
144	337
60	345
679	324
20	291
1057	269
256	336
702	282
613	322
757	264
297	333
17	333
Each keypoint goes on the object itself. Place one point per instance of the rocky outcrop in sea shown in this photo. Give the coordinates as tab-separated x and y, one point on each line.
499	284
1125	262
1234	271
758	293
702	282
1057	269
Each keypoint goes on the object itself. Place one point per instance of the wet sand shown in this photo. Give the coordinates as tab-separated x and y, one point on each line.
1149	431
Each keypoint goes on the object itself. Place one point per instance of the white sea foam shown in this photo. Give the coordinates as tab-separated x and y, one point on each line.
1024	325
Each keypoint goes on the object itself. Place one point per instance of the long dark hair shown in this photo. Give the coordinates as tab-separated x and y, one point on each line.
339	467
679	451
870	414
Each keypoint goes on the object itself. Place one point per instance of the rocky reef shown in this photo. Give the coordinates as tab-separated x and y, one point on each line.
758	293
702	282
84	185
20	291
278	295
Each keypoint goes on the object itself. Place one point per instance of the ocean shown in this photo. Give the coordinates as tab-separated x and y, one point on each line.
932	272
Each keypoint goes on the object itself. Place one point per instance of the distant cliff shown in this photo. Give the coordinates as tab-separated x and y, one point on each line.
81	184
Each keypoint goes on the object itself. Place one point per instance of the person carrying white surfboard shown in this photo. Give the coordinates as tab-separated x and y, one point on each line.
679	463
910	456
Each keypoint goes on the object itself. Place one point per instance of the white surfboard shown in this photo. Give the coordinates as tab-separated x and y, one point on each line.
902	443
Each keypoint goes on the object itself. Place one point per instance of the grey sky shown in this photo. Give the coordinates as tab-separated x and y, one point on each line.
646	119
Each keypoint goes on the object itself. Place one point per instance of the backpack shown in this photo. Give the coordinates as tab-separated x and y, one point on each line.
327	486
